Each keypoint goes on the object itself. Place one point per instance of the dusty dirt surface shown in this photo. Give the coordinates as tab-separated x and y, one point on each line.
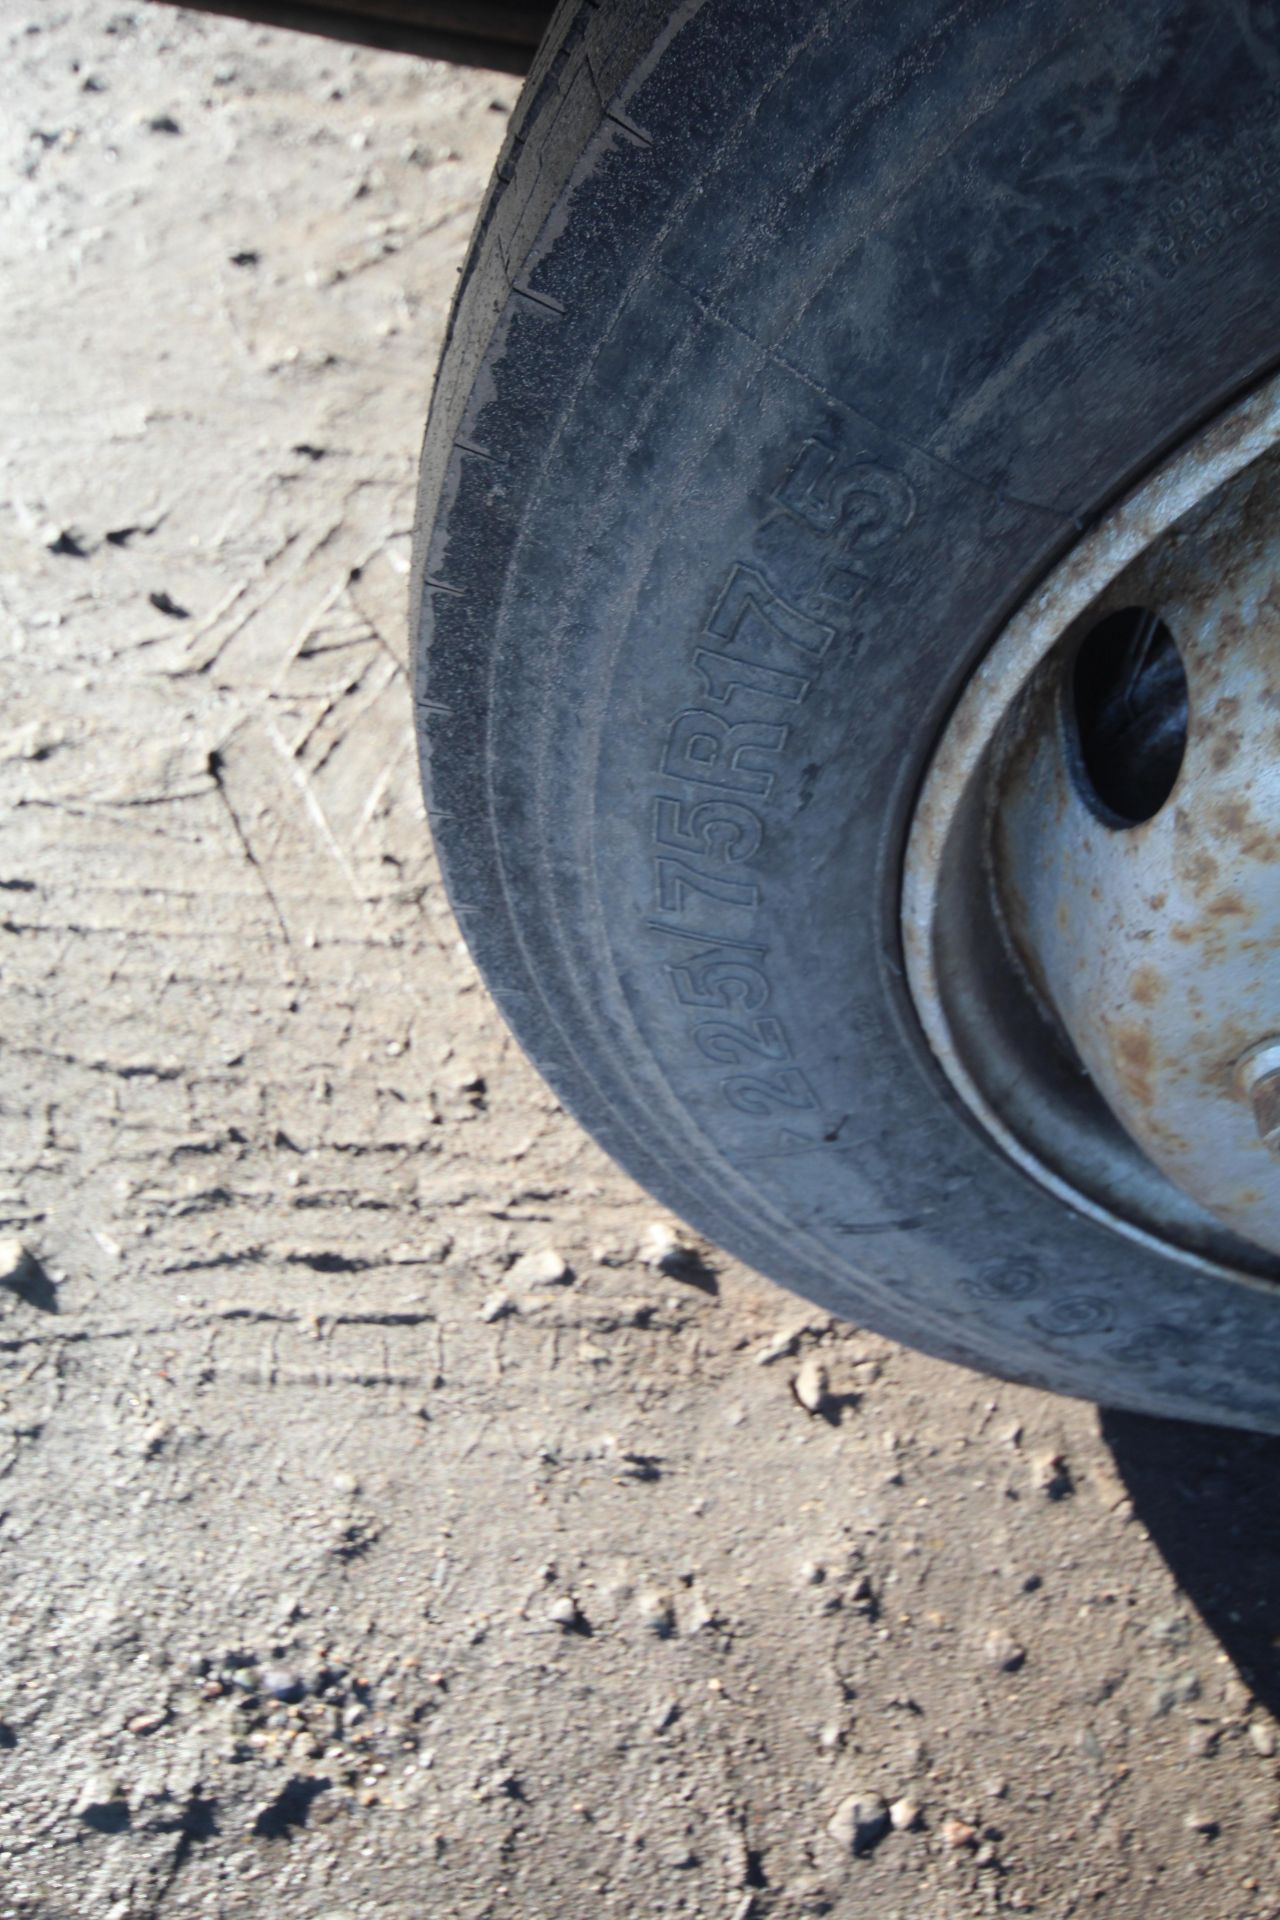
392	1523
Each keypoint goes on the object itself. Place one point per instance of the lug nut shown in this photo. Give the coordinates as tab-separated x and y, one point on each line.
1258	1078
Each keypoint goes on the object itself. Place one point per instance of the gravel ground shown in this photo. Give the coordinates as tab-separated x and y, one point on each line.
397	1516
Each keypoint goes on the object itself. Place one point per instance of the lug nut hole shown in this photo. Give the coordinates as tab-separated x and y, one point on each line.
1127	716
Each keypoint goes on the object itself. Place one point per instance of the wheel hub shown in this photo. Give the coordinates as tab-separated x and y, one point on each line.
1092	894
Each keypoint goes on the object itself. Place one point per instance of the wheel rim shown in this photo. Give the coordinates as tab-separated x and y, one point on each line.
1091	897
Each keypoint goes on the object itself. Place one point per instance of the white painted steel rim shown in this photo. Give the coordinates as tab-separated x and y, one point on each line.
953	813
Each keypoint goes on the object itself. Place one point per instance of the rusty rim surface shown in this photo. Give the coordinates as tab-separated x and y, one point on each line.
1091	901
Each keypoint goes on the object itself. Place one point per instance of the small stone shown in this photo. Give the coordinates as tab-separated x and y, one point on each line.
1201	1822
812	1573
497	1307
14	1259
501	1785
811	1386
810	1895
657	1613
35	741
861	1596
99	1790
144	1723
1003	1652
958	1833
1051	1476
904	1816
282	1683
67	541
565	1613
787	1339
1237	1696
1262	1738
661	1247
545	1268
701	1615
860	1822
345	1483
1174	1690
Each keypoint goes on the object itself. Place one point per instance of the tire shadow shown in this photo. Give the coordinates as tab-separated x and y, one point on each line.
1210	1499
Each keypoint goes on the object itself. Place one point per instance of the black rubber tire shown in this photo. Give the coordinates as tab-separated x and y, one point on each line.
823	328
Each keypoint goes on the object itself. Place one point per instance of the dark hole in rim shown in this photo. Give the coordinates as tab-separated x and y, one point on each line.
1127	716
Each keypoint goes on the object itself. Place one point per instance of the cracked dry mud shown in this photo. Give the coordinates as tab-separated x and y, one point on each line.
382	1532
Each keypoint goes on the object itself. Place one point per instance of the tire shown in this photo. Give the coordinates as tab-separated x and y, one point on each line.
841	321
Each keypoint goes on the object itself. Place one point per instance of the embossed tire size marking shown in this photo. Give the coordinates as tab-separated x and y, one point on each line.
798	345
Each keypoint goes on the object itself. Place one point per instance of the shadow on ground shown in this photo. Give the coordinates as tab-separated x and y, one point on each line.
1210	1500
